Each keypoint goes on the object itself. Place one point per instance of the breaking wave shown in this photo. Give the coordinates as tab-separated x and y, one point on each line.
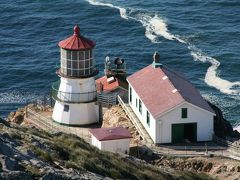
211	77
156	27
122	11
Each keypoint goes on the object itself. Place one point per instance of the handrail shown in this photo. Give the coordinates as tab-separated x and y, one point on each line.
227	143
131	117
72	97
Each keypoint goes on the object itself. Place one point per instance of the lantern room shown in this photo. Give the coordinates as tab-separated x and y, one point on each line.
77	56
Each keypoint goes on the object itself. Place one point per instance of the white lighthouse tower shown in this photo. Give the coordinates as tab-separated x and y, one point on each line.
75	95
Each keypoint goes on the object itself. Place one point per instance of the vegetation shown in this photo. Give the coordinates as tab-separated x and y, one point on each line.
73	152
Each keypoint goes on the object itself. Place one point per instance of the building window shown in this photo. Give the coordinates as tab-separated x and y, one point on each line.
148	119
140	106
184	113
130	94
136	102
66	108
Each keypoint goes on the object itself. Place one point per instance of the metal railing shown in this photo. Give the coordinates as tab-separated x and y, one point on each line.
231	146
135	122
108	99
72	97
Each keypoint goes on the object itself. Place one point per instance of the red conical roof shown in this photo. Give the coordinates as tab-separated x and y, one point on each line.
76	41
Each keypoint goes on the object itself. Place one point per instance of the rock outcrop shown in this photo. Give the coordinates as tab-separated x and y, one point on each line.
217	167
222	127
116	117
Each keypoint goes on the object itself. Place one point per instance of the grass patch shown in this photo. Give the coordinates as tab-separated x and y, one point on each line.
15	135
34	171
42	154
74	152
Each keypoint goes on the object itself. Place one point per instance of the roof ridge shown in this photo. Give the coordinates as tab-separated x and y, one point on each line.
176	73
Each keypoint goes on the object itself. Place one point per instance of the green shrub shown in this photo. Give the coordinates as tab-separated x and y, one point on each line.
32	170
42	154
15	135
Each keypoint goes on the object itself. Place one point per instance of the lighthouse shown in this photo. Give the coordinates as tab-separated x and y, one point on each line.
75	94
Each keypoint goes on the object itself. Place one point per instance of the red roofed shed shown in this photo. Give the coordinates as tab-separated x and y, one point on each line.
114	139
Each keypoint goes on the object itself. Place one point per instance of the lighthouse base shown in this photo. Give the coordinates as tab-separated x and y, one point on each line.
76	114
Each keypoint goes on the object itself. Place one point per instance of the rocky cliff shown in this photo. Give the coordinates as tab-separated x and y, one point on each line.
222	127
29	153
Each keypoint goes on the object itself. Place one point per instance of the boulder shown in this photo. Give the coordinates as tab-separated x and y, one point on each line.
16	117
222	127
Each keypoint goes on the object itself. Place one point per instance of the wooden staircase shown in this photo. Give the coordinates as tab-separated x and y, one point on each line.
135	121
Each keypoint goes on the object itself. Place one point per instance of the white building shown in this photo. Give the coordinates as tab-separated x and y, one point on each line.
75	95
115	139
170	108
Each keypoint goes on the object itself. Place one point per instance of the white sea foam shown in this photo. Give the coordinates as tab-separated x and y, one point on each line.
211	77
122	11
156	26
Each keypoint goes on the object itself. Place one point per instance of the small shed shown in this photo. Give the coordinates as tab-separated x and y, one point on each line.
114	139
109	88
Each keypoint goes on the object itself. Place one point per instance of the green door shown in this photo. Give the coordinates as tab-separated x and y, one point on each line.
177	133
183	132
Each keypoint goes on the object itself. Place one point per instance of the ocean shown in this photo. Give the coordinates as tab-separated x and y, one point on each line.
197	38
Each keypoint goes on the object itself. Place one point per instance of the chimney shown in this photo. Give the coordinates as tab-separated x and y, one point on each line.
156	60
156	57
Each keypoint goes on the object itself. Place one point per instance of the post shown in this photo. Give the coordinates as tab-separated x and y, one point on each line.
26	111
44	102
51	101
206	150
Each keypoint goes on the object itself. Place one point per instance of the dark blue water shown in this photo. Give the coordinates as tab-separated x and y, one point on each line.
199	38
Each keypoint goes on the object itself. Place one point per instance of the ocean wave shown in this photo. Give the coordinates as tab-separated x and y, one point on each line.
156	26
122	11
211	77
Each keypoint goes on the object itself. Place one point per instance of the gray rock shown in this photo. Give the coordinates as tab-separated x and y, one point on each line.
10	164
14	175
54	176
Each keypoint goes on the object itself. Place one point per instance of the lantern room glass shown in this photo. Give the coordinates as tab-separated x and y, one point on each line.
77	63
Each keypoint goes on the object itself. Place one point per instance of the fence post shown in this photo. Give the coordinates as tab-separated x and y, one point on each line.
206	149
26	111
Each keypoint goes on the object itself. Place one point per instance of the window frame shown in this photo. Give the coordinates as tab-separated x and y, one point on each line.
184	113
130	94
66	108
140	106
148	118
81	65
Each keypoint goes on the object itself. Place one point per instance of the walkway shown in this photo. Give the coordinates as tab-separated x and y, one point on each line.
44	121
135	121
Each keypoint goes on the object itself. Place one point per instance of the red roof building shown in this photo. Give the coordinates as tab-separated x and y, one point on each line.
105	86
162	89
113	133
168	106
76	41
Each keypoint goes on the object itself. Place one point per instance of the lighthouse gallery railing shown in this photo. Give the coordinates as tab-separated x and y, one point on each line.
72	97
